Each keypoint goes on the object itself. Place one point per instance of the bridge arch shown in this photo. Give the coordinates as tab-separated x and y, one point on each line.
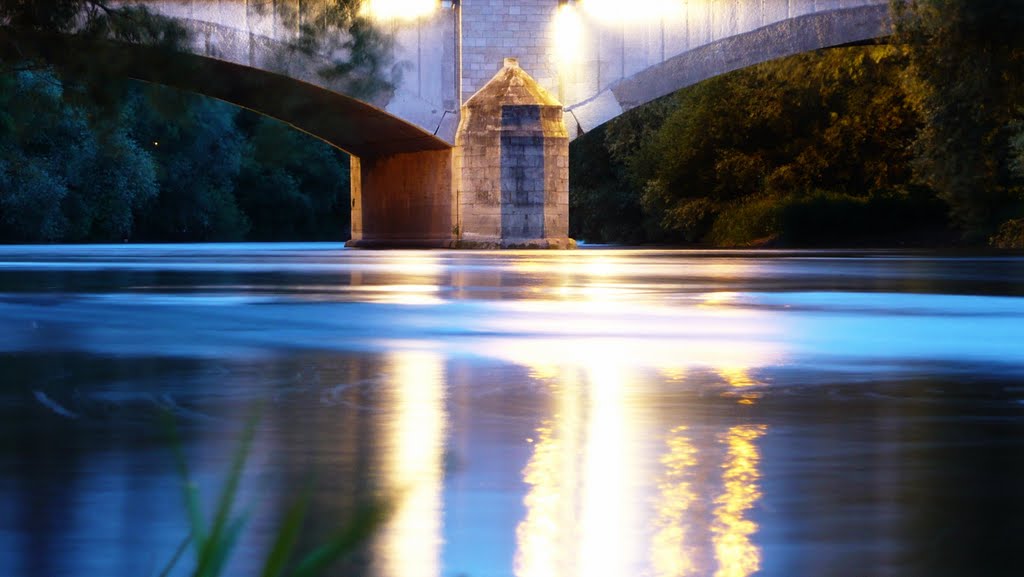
401	174
779	39
345	122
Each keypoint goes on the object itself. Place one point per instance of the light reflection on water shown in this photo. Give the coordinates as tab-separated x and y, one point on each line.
673	548
589	413
733	532
414	439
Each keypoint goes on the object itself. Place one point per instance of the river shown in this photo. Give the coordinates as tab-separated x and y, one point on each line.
591	413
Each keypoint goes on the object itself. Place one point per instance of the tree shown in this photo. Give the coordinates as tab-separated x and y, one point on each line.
789	150
966	77
155	164
292	185
831	121
602	206
58	179
198	151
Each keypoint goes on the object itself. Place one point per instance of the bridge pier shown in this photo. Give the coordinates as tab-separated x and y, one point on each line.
402	200
504	185
511	166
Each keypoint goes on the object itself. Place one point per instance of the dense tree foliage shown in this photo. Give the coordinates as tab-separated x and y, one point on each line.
87	156
810	149
289	186
169	166
921	140
59	178
966	76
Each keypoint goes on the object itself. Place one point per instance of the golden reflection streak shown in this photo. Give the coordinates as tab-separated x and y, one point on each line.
720	299
398	9
577	513
414	436
737	556
545	539
402	294
672	372
736	376
578	504
605	502
739	378
672	551
415	264
537	535
416	282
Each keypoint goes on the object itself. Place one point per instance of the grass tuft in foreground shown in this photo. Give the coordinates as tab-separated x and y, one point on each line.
214	539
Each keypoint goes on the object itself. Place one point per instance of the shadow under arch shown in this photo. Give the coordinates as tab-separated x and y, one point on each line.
351	125
843	26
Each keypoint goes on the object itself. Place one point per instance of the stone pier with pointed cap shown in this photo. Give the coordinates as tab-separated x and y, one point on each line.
510	166
504	185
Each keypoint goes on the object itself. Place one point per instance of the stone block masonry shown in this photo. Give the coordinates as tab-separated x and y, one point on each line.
495	29
510	166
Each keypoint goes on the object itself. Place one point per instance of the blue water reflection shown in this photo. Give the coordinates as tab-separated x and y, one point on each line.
604	412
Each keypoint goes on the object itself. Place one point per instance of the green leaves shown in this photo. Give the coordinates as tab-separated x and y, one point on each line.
290	185
835	125
966	79
214	540
167	166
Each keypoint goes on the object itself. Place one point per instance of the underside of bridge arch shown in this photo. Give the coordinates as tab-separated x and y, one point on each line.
344	122
785	38
401	174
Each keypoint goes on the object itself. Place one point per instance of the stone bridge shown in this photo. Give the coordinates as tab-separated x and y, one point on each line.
434	165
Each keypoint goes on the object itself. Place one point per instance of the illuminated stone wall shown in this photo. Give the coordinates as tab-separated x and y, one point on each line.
496	29
402	200
511	176
257	33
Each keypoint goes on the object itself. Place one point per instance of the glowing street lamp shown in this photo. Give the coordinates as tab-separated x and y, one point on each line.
398	9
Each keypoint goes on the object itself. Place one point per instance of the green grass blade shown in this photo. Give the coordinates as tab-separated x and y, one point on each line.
367	520
220	551
177	557
287	535
210	548
189	490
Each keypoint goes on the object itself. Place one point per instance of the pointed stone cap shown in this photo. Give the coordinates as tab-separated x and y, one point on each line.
512	86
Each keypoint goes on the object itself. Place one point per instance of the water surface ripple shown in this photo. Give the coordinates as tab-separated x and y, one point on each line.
598	413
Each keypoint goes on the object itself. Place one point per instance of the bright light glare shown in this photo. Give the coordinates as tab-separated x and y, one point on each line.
410	544
568	35
398	9
737	555
634	11
672	551
605	502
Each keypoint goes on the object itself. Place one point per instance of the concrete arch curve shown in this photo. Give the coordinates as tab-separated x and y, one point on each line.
777	40
347	123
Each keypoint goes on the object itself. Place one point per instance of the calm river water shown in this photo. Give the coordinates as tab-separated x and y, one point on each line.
594	413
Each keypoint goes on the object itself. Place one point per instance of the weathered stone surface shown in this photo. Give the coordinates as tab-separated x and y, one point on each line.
402	200
510	169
